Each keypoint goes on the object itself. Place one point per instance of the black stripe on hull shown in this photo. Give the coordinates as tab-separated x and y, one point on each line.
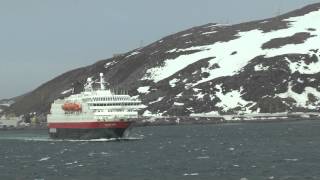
85	134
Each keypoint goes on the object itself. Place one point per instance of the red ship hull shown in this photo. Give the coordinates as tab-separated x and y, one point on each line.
88	130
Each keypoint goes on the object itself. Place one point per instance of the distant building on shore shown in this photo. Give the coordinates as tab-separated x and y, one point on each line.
11	122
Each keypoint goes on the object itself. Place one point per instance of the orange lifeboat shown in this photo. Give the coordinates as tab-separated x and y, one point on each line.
71	107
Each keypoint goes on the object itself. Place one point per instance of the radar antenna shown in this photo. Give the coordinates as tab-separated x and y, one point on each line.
102	82
88	85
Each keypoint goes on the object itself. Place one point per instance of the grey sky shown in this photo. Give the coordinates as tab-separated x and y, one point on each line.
40	39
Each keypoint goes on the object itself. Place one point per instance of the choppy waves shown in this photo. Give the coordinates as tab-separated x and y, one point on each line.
47	139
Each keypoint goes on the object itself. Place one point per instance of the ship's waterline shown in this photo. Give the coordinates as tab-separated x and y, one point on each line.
88	130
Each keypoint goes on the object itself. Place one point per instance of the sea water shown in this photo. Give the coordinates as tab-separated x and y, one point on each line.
239	151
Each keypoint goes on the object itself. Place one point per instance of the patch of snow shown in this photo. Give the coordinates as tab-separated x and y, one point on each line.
260	67
302	99
210	32
154	52
196	89
143	89
151	120
203	69
109	64
159	99
215	25
186	35
184	50
199	95
303	68
208	114
300	80
190	109
172	50
67	91
188	85
178	104
231	100
7	103
312	79
253	40
173	82
133	53
147	113
179	95
135	97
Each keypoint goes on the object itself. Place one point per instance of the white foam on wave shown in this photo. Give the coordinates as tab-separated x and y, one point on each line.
203	157
44	158
47	139
191	174
101	153
70	163
295	159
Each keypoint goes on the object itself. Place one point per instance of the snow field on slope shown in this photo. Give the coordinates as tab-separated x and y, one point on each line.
302	99
247	46
231	100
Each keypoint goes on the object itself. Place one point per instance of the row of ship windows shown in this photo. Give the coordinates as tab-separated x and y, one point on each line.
112	117
110	99
117	110
117	104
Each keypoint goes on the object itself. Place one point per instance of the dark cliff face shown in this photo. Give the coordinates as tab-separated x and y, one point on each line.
261	66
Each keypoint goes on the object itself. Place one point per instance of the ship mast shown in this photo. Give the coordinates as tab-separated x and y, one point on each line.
102	82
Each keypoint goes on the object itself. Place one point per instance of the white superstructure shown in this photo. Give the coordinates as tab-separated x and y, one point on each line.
95	105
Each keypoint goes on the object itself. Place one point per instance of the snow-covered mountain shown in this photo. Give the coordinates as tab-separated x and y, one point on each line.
270	65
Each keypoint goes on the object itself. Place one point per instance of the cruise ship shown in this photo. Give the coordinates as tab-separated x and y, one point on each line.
93	113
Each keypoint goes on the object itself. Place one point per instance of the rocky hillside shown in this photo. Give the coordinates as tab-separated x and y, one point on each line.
271	65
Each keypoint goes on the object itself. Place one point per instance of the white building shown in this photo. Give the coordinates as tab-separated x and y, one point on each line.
9	122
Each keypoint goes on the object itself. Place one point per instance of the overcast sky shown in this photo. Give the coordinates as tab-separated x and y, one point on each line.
40	39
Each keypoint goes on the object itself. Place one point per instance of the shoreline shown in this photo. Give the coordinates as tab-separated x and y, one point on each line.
144	124
202	120
235	118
